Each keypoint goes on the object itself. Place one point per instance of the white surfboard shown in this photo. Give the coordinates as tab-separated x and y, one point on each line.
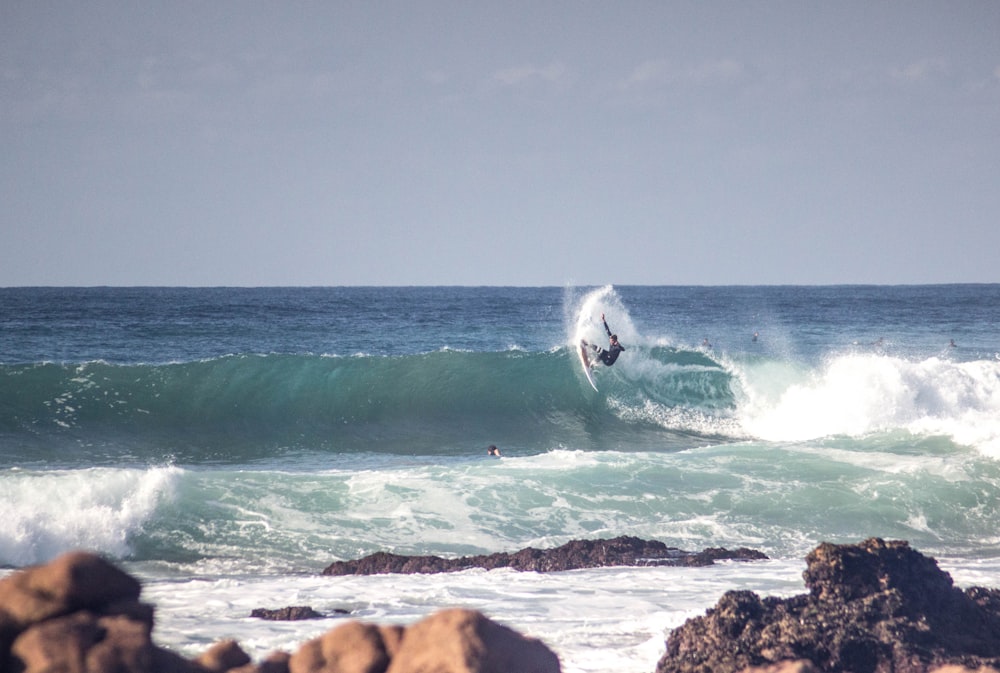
586	366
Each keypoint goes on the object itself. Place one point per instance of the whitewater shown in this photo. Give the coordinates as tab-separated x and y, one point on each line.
226	444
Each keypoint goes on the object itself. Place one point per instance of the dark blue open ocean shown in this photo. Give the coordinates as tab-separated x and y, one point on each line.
227	444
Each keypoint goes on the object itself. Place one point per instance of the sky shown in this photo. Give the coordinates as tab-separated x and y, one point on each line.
499	143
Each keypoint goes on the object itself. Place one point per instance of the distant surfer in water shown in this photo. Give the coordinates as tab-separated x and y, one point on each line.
492	450
609	355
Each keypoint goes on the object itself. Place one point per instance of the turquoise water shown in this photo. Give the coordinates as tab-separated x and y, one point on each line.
231	442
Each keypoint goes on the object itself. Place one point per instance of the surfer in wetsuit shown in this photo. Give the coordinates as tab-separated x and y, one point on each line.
609	355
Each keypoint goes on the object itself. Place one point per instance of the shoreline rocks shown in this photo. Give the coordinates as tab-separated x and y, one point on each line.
81	614
871	607
574	555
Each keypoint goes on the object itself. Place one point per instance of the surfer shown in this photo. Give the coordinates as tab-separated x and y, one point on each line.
492	450
609	355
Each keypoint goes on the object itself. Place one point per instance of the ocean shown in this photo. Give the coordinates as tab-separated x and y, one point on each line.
224	445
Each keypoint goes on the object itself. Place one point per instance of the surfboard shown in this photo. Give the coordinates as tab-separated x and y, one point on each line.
585	361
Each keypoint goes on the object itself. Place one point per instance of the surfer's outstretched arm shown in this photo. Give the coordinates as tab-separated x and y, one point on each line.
609	356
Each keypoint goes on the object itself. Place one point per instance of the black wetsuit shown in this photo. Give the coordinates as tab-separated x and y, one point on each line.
609	356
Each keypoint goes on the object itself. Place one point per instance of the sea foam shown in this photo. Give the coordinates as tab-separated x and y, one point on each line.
45	514
855	395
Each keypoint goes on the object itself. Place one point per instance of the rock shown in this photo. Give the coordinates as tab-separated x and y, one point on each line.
449	641
464	641
289	614
276	662
84	642
74	581
223	656
80	614
843	573
800	666
873	606
353	647
574	555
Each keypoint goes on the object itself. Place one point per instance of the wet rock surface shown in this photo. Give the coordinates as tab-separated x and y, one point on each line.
574	555
291	613
872	607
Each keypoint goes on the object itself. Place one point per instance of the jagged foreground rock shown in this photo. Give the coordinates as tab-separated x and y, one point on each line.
873	607
574	555
80	614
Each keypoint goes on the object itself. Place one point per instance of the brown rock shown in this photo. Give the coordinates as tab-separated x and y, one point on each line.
223	656
874	606
392	638
450	641
80	614
86	643
353	647
465	641
77	613
59	644
74	581
276	662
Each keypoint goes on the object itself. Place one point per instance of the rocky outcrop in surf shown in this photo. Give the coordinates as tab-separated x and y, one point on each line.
574	555
292	613
872	607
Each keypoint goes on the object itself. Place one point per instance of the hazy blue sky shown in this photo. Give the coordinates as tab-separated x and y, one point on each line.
504	143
